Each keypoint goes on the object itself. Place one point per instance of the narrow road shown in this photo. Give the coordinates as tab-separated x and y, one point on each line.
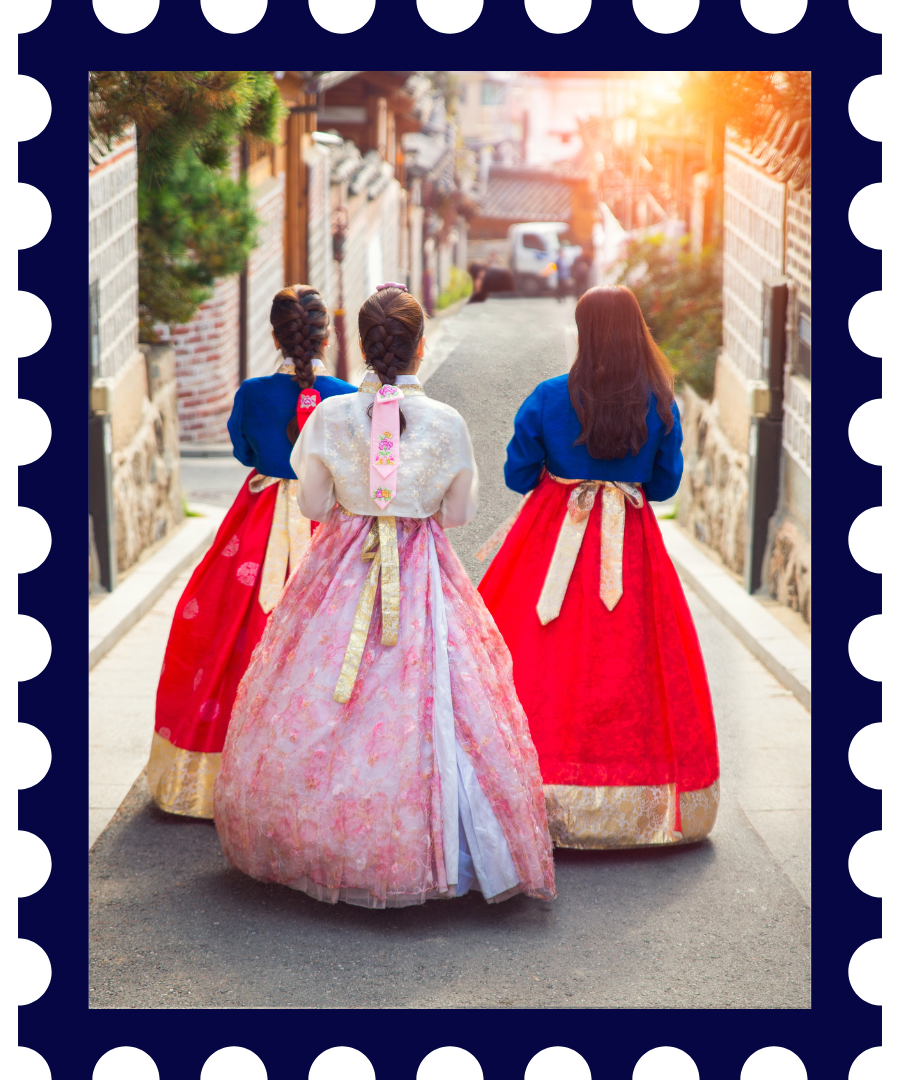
722	924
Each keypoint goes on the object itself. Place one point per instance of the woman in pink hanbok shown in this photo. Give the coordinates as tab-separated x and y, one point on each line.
377	752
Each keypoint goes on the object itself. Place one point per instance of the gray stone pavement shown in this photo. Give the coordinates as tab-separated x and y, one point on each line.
722	924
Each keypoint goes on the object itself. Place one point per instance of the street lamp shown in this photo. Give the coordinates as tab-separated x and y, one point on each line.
339	227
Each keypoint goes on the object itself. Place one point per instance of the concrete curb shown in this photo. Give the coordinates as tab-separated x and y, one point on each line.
205	450
788	659
113	617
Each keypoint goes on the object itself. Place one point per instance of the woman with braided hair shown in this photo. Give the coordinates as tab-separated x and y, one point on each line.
227	602
377	752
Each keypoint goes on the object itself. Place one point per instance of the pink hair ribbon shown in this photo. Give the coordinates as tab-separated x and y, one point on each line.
385	456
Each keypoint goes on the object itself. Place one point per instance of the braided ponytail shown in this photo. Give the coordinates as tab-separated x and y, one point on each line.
390	329
299	321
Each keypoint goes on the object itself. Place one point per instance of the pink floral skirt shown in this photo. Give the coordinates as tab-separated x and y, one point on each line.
379	801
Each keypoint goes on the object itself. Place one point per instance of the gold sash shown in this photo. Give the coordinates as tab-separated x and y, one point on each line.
380	548
571	534
288	538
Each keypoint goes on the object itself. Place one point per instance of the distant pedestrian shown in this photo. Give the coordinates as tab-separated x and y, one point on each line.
477	269
606	659
581	271
563	274
226	604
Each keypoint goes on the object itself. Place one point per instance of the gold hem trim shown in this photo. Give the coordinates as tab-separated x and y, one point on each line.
607	818
182	781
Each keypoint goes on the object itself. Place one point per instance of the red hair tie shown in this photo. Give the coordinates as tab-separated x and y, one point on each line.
306	402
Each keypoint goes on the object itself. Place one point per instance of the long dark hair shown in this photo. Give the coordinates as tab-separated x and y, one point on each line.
299	320
616	367
391	324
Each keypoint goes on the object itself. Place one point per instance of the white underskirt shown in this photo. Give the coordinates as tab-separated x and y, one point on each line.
472	834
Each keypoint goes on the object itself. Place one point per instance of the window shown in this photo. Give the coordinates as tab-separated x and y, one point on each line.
802	364
493	93
533	241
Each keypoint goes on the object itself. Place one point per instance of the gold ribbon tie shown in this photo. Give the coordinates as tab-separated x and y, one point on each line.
571	533
288	538
379	548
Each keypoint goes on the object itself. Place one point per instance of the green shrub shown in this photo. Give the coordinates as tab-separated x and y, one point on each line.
680	294
195	222
460	286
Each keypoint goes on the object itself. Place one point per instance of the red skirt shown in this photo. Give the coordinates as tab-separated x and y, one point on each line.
217	623
617	701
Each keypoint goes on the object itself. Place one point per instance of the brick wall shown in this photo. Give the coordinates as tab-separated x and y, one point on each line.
112	248
207	349
206	365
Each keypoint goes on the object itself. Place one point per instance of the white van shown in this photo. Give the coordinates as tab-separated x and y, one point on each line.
534	249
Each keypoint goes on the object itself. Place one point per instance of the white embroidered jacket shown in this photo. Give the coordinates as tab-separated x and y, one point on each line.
437	475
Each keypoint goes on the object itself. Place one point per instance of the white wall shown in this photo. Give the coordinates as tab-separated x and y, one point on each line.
112	252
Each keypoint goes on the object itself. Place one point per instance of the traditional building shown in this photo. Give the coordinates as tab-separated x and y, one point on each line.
135	497
516	193
345	162
748	452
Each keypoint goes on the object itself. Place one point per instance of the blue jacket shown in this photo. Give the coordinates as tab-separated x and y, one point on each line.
547	426
262	410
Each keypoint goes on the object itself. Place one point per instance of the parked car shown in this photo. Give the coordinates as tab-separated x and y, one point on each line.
534	248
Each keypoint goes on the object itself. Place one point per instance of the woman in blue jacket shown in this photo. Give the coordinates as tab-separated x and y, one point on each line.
606	659
224	609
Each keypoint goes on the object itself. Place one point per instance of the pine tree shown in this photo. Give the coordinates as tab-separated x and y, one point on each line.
195	221
747	101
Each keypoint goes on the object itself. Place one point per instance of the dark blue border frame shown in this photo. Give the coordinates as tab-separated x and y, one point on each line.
839	1026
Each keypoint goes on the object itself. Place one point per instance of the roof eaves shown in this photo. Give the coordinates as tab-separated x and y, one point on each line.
325	80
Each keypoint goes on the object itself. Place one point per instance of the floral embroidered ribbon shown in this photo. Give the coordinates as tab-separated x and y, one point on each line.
380	548
385	456
571	534
288	538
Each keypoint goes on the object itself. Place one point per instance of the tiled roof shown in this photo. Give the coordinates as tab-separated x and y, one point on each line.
784	149
526	195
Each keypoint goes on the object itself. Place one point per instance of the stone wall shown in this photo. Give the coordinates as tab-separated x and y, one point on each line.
789	568
146	481
712	499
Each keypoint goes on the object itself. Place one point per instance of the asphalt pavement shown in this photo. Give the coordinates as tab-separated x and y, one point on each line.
721	924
